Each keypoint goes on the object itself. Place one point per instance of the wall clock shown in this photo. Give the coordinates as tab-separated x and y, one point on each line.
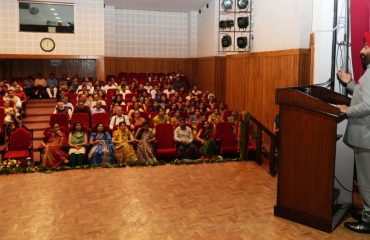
47	44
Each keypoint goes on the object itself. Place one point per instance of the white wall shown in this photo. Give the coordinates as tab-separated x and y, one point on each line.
139	33
88	38
322	26
192	34
276	25
283	24
208	30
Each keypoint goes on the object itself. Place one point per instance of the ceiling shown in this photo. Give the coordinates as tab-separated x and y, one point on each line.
159	5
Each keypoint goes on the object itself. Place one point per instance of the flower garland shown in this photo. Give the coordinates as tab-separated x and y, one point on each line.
12	166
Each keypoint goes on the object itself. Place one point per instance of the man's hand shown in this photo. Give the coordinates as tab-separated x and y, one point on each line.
343	108
344	77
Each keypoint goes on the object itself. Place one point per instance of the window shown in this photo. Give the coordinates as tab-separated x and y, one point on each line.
46	17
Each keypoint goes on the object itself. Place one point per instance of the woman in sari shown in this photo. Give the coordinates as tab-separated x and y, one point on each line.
77	140
53	156
124	152
144	137
102	150
206	137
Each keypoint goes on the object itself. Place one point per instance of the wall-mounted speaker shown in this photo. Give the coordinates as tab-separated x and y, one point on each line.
243	22
226	41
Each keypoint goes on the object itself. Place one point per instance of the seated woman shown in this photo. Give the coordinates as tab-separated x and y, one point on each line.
102	150
124	152
206	137
53	141
77	140
137	120
144	137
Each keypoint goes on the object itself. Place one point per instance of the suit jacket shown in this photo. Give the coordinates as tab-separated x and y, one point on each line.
358	127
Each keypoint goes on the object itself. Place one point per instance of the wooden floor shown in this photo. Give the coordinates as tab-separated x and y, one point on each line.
209	201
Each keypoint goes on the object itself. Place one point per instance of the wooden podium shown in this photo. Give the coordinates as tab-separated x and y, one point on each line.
308	157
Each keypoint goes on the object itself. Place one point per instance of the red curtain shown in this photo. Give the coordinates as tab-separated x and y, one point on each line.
360	23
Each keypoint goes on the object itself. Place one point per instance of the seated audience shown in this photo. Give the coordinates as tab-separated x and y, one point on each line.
52	86
161	117
40	85
21	94
215	117
60	108
82	108
10	120
119	117
53	141
137	120
175	119
77	141
195	90
206	137
183	137
98	108
28	84
122	139
145	137
135	107
66	103
14	101
102	148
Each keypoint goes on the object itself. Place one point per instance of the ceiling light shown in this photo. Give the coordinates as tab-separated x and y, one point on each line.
242	4
57	17
56	14
52	9
227	4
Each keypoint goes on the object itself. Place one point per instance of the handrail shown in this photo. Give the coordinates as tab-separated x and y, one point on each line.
273	140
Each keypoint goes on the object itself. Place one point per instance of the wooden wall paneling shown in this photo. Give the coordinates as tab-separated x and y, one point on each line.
220	78
24	65
251	80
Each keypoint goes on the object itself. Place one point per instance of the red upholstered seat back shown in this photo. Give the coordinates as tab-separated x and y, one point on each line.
83	118
164	136
224	132
20	139
100	118
61	118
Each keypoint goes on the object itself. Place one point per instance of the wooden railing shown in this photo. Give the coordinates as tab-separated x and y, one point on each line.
260	129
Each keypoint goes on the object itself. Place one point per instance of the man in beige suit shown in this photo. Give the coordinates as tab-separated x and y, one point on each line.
357	134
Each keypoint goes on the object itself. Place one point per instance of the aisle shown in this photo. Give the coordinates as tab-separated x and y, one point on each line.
38	115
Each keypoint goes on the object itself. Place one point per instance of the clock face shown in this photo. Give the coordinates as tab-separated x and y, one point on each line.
47	44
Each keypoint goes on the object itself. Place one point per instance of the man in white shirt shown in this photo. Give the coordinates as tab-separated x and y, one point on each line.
108	86
67	104
184	138
169	90
61	109
116	119
82	86
97	108
17	103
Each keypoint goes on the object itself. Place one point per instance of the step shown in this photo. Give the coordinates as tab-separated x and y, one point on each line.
42	101
41	106
38	135
39	112
37	126
36	143
33	119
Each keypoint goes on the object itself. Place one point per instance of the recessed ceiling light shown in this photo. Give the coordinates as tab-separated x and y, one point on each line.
57	17
52	9
56	14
